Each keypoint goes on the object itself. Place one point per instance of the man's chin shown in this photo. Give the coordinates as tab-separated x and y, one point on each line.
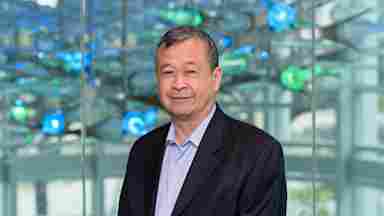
180	115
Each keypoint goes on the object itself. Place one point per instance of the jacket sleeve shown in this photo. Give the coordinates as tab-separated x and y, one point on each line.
125	208
264	192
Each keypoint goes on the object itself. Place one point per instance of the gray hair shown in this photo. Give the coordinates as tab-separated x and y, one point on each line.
182	33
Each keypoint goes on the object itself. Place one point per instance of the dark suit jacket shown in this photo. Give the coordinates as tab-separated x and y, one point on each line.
238	170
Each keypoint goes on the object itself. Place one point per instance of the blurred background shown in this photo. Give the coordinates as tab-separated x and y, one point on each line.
77	89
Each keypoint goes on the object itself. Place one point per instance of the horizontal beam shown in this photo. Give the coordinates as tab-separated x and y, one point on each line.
52	167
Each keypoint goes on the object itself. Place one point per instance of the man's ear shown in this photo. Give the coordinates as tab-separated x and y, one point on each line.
217	74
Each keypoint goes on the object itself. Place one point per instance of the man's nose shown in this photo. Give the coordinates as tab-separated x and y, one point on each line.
179	82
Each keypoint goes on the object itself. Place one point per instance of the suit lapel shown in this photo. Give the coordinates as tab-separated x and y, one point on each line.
152	170
207	158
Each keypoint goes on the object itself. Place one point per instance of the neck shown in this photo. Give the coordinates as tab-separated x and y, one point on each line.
185	127
183	130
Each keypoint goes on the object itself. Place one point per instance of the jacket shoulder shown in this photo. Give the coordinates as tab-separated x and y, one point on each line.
154	134
145	143
250	137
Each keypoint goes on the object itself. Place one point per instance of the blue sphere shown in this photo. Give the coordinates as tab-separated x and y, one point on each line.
263	55
133	123
53	124
281	17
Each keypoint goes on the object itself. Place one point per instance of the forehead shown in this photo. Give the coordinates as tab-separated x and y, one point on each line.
193	47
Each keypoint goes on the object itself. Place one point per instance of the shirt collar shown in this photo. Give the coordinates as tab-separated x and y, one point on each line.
197	133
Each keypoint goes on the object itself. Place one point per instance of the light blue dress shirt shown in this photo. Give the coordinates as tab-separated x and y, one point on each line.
176	162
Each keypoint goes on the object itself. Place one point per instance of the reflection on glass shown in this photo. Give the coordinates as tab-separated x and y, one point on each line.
182	16
265	52
112	187
296	79
300	199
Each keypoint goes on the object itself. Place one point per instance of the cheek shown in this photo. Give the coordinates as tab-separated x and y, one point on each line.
206	87
202	94
162	87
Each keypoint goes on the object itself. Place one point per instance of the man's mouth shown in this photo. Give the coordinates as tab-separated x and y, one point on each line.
180	98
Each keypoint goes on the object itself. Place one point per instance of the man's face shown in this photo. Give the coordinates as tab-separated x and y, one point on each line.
186	84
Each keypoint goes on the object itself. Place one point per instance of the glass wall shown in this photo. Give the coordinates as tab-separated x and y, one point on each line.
78	88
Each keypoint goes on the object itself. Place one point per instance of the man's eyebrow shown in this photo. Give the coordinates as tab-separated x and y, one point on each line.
165	66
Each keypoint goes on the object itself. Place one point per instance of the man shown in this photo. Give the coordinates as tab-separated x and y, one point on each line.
203	163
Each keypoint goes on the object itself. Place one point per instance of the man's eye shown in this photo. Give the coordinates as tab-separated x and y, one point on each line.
191	72
167	72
